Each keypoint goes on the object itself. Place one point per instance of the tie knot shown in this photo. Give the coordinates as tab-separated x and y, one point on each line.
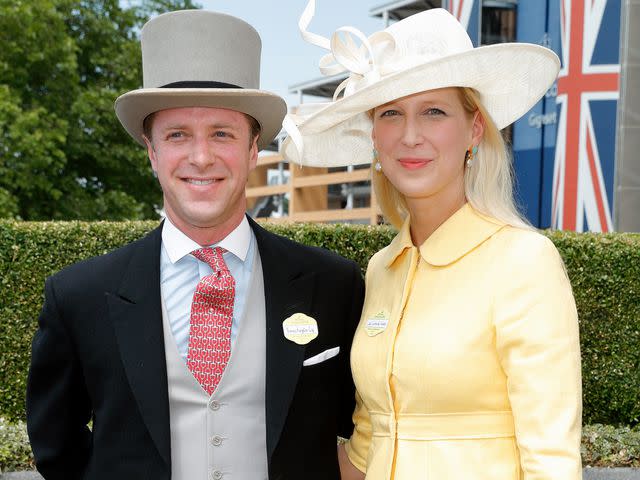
212	256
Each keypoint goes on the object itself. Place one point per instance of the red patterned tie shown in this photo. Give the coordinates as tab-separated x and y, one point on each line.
210	325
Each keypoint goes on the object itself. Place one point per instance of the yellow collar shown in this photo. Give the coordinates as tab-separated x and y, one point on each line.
458	235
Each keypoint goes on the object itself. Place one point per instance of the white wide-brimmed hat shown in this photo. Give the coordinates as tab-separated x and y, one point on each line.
199	58
426	51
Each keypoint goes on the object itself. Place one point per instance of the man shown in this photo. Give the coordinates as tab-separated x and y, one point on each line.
228	362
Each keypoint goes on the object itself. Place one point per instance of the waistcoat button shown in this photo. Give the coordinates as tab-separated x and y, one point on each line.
216	440
216	475
213	405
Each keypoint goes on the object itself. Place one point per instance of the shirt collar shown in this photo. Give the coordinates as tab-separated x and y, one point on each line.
178	245
458	235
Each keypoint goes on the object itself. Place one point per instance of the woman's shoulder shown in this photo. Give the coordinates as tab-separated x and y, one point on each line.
381	257
524	247
387	255
522	237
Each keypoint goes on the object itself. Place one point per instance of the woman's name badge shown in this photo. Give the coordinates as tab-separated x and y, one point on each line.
377	323
300	328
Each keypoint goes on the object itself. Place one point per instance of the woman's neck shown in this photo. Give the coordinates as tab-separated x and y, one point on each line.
427	214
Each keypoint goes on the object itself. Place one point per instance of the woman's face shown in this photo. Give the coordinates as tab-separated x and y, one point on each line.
421	142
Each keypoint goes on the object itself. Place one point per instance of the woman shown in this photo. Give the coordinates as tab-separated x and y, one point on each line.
466	360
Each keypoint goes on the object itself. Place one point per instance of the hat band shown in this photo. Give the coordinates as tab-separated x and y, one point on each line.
199	84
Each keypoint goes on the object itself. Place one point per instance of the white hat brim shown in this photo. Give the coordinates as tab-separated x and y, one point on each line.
267	108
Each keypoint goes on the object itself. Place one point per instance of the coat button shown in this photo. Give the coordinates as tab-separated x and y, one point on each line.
216	440
213	405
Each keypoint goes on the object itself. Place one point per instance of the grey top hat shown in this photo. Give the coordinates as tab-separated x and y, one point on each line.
199	58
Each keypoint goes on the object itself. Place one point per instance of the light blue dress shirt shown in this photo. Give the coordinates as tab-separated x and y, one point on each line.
180	273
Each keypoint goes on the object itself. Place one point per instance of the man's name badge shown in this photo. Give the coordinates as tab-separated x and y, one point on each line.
300	328
377	323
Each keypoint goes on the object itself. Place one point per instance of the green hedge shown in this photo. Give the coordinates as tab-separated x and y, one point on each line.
15	451
608	446
604	272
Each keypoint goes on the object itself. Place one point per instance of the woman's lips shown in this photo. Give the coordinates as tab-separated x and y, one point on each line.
413	163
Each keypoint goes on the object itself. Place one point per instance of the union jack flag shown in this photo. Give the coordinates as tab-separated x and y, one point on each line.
467	12
588	89
461	9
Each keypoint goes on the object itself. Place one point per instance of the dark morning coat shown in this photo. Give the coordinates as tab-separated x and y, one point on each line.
98	355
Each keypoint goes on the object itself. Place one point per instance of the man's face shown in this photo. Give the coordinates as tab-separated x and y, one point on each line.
203	157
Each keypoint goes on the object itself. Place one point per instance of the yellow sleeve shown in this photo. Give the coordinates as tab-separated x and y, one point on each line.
357	446
537	341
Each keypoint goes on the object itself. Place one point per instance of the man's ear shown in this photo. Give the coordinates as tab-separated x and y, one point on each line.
253	153
151	153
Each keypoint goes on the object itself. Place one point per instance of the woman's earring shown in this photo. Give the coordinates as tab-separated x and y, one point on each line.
377	165
470	155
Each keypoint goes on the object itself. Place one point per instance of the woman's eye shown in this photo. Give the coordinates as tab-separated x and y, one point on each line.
434	111
389	113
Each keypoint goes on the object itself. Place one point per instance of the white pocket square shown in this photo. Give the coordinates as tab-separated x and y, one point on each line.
321	357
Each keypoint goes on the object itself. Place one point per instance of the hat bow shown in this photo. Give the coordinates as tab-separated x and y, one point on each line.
366	63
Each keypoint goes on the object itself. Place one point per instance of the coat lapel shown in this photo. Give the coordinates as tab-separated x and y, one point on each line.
288	290
136	315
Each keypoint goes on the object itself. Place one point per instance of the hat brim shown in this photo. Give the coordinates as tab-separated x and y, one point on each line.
267	108
510	79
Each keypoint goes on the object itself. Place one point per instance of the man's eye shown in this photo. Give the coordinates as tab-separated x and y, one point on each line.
176	135
221	134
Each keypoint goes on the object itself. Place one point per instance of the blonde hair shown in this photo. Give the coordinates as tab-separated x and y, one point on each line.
488	184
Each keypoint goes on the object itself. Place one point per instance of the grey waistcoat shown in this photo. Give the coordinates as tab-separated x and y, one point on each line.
222	437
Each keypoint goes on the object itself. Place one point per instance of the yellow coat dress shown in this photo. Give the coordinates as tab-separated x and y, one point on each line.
466	360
